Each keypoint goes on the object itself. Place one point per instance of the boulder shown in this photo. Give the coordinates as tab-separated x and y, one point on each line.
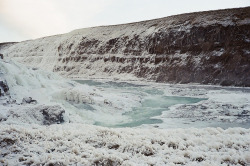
52	115
28	100
41	115
107	102
4	87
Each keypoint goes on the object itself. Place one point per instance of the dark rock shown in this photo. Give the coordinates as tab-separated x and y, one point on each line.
107	162
10	101
199	159
148	152
244	112
1	56
55	163
4	87
107	102
115	146
7	142
52	114
28	100
173	145
34	68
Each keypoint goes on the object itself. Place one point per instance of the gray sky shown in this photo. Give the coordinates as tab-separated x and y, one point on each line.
29	19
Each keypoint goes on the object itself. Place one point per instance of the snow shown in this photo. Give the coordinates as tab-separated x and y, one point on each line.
88	145
245	21
218	53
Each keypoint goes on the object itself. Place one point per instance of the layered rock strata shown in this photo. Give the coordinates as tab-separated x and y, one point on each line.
210	47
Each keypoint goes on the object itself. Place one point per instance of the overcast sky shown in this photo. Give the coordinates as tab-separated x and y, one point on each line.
29	19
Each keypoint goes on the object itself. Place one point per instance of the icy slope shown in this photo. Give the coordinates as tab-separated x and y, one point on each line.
205	47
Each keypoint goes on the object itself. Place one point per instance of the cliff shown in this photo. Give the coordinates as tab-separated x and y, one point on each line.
211	47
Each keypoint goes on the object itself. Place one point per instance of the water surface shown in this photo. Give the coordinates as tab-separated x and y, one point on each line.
153	104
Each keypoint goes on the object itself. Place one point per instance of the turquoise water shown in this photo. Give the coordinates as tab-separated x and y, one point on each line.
154	107
153	104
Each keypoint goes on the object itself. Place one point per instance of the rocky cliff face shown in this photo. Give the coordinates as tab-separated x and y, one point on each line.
210	47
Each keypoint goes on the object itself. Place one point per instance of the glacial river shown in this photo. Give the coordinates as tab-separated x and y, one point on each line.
154	102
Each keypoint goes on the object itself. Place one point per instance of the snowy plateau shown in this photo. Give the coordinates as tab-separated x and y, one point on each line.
170	91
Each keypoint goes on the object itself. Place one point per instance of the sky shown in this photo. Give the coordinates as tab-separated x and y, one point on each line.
29	19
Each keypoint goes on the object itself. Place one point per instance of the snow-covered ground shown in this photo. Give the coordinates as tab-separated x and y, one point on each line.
78	144
29	134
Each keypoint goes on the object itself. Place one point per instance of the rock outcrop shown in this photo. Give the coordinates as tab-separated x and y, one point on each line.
210	47
52	114
40	114
28	100
3	88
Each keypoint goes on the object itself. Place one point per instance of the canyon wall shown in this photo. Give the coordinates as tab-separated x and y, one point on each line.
211	47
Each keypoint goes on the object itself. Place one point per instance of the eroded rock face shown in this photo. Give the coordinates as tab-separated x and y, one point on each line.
207	47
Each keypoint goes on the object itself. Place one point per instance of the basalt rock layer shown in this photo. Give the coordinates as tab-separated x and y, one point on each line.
210	47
